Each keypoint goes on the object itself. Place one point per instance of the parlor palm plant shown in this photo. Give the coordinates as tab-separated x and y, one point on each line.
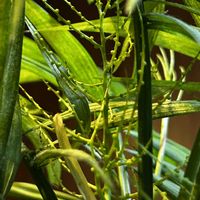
104	121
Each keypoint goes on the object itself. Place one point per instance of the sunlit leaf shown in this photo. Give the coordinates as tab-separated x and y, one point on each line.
34	67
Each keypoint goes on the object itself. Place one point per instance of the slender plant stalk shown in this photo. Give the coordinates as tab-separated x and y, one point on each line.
72	163
107	138
144	103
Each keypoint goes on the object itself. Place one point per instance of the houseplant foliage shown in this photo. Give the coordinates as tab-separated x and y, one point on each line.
113	116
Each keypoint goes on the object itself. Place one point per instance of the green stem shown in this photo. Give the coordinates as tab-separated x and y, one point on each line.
106	81
107	138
